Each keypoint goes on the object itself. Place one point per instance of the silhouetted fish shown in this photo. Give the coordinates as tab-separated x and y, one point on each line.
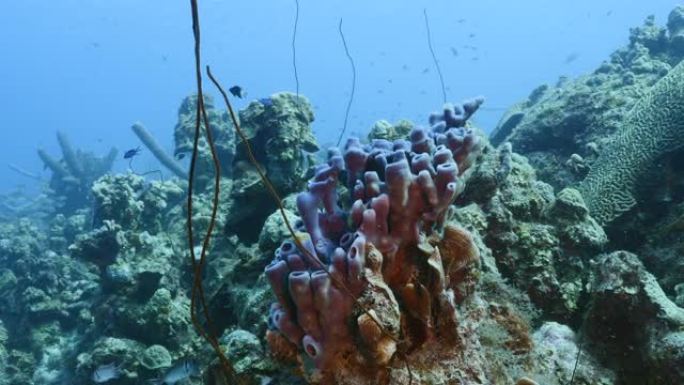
131	153
236	91
571	58
454	51
267	102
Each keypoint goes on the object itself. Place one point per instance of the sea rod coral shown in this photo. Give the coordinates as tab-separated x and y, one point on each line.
381	275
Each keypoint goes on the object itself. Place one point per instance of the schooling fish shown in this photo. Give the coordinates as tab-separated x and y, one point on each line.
131	153
104	373
179	372
236	91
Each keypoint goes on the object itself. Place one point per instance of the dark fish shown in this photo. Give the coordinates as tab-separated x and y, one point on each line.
236	91
104	373
405	67
180	155
471	35
571	58
267	102
609	13
425	70
454	51
131	153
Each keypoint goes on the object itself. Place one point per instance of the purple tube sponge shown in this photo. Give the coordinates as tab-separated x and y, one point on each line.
357	236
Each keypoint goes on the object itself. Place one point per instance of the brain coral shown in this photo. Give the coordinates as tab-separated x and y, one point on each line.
653	127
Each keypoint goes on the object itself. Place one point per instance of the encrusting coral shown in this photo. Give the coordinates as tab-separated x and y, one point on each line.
373	270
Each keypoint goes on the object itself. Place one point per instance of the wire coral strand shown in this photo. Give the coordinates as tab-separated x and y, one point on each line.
294	46
351	97
434	57
197	287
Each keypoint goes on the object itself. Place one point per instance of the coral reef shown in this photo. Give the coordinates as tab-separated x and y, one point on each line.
423	253
74	174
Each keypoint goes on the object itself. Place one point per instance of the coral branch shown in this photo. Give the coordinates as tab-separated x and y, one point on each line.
159	153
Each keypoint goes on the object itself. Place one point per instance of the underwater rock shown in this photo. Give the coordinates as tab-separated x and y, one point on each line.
385	130
107	350
281	136
223	135
284	145
675	27
244	350
632	324
556	348
156	357
539	241
161	319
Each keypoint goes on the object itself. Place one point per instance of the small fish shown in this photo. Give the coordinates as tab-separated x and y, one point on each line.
405	67
267	102
571	58
180	155
236	91
454	51
131	153
104	373
165	58
472	35
180	371
460	21
425	70
609	13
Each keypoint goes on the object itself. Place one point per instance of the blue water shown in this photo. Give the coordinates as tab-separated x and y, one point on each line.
92	68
